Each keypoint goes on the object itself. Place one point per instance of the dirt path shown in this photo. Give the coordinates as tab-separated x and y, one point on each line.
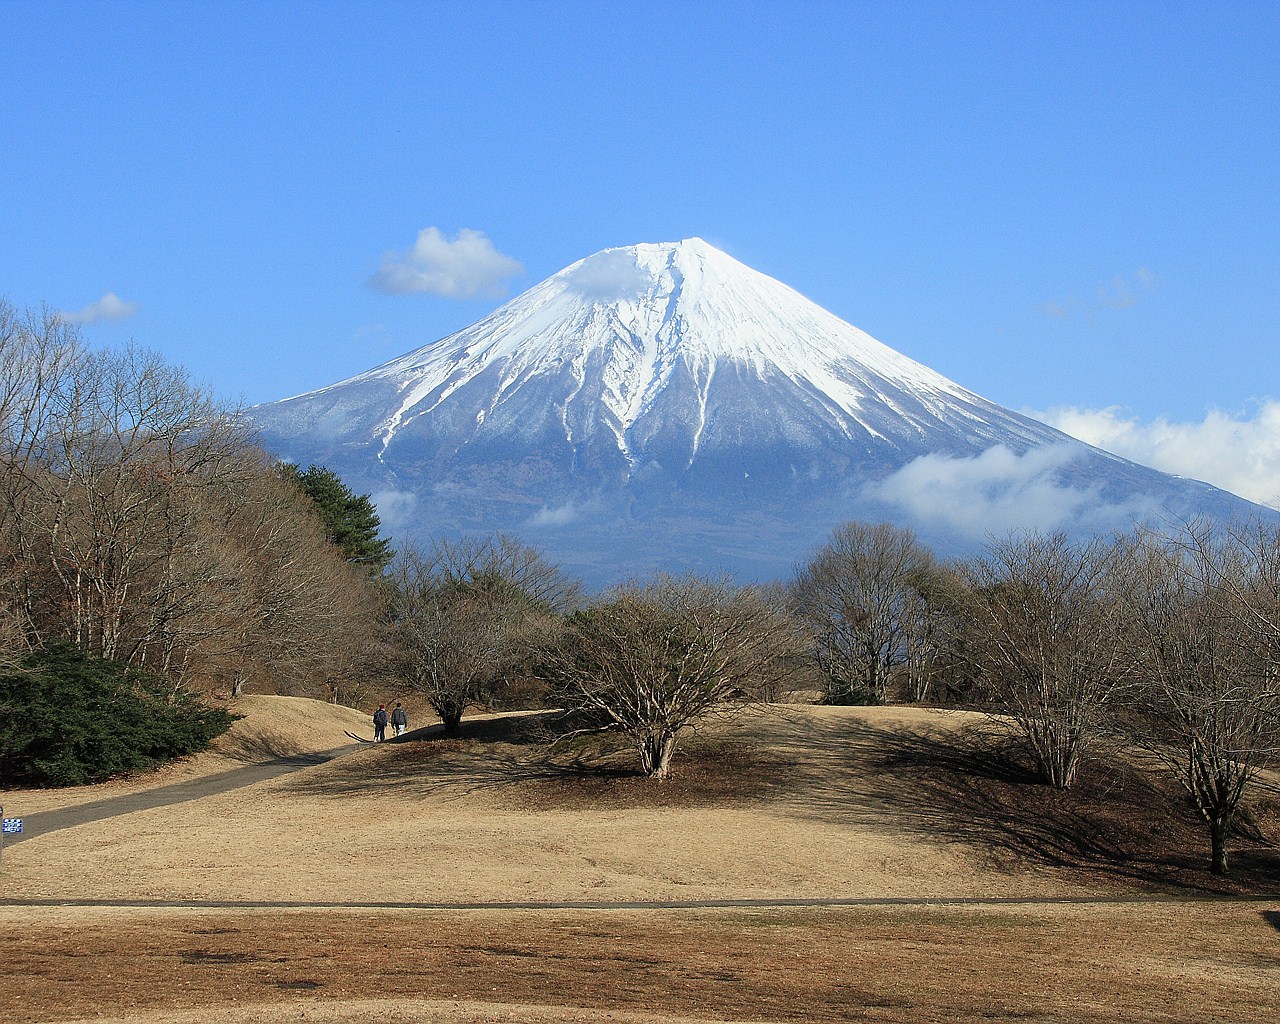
194	789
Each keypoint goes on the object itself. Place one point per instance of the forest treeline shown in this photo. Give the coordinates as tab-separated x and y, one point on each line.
141	525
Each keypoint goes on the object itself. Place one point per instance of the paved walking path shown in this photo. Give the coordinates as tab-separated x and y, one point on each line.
34	825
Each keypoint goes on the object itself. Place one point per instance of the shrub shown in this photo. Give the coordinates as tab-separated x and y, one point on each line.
67	719
653	660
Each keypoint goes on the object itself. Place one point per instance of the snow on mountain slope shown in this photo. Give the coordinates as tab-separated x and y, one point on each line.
663	384
619	342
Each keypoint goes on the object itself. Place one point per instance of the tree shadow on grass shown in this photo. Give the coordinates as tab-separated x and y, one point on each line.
956	782
484	754
266	746
973	786
708	771
518	758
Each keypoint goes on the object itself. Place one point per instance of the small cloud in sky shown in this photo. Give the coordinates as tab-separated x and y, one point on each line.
1000	491
395	508
1123	291
610	276
1117	294
560	516
109	307
1239	452
462	268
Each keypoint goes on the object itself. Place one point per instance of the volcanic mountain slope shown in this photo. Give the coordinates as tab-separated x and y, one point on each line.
662	405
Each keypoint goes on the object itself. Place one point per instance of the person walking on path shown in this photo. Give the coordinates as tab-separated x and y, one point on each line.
399	720
380	724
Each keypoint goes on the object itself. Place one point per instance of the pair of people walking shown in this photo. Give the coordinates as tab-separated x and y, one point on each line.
398	718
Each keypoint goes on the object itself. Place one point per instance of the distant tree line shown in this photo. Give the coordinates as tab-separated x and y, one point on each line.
140	523
1161	640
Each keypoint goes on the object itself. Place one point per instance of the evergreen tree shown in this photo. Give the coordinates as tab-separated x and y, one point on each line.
68	718
349	519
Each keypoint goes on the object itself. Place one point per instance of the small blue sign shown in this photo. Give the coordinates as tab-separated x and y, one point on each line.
12	825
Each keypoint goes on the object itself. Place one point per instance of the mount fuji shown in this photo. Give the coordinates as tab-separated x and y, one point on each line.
665	406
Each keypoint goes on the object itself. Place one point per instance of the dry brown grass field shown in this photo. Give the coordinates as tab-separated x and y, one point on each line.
924	807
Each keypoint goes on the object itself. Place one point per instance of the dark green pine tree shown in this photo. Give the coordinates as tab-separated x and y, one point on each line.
350	519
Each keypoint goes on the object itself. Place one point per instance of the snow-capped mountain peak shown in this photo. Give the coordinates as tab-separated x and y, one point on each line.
664	397
631	330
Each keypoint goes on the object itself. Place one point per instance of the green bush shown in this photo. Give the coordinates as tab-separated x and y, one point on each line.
67	719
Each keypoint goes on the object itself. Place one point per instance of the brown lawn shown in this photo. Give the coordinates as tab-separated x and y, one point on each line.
783	803
1140	963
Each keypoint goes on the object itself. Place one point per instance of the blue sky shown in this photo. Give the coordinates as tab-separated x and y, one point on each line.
1060	206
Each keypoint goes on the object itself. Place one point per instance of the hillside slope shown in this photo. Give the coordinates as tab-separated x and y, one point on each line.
789	802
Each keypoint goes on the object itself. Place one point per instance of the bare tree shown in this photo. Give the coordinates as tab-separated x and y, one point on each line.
1204	605
469	615
139	522
502	561
297	615
39	359
653	660
874	599
15	631
1050	643
102	469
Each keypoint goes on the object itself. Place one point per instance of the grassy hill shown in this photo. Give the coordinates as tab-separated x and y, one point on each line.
787	801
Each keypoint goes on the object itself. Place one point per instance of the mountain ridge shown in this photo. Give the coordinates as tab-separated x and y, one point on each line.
667	382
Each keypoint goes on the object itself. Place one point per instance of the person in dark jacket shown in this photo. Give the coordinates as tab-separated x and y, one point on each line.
399	720
380	724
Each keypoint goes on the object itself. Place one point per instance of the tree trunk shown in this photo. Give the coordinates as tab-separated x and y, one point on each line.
237	687
1219	831
452	721
655	755
875	681
1057	754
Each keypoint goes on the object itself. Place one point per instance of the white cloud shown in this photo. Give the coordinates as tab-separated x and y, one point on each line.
561	516
1118	294
395	508
1239	452
109	307
610	276
466	267
1000	491
1123	291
